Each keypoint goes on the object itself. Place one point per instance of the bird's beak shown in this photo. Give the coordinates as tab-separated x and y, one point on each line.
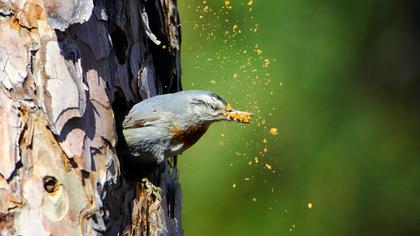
235	115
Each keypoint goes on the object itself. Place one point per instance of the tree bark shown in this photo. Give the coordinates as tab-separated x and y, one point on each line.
69	73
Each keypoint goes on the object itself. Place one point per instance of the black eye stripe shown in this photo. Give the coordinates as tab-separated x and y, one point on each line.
203	103
198	102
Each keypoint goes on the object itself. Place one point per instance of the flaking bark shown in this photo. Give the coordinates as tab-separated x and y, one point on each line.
69	73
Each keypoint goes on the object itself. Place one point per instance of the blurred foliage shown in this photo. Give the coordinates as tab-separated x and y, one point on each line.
340	82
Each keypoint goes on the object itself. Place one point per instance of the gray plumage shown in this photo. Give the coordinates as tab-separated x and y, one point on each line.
166	125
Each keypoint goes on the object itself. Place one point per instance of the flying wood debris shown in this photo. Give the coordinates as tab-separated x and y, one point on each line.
273	131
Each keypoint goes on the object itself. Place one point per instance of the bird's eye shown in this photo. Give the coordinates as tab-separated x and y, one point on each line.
213	107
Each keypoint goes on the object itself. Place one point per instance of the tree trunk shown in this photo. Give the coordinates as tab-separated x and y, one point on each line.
69	73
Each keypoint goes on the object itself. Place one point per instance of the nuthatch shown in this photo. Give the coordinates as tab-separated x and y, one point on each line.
166	125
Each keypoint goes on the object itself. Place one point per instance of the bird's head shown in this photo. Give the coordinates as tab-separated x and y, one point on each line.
209	107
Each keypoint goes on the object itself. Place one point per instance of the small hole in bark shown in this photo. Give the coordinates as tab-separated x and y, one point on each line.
119	43
50	184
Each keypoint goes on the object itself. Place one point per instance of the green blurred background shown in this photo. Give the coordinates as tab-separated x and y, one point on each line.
340	82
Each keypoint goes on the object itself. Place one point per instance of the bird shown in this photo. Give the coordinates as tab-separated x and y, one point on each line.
165	125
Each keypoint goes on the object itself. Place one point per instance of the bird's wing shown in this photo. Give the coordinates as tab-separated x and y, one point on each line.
137	123
146	113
